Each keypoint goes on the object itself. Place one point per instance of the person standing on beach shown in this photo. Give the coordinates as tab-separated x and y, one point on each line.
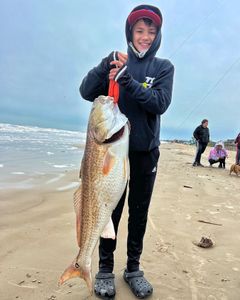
237	142
145	84
201	135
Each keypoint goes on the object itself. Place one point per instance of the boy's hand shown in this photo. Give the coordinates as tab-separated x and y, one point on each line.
122	59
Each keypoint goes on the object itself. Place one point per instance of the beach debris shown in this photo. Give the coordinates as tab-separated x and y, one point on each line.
104	174
53	297
161	247
204	243
211	223
187	186
21	284
225	280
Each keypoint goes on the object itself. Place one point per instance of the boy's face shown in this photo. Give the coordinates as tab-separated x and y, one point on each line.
143	35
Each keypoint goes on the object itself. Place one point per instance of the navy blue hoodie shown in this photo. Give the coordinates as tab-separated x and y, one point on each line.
145	89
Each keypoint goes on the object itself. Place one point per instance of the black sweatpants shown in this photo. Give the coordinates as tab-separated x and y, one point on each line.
199	151
220	160
143	169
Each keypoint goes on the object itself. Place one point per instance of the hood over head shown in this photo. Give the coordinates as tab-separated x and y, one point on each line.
140	12
220	143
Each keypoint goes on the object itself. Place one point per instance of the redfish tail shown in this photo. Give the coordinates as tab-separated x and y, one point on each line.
73	271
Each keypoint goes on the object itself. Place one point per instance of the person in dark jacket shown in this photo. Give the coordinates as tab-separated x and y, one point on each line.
237	142
201	135
145	83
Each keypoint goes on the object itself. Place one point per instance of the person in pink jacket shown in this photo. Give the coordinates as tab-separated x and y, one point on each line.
218	154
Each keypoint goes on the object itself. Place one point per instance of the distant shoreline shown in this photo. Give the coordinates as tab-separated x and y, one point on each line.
228	144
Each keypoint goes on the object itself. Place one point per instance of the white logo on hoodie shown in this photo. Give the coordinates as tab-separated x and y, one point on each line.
148	82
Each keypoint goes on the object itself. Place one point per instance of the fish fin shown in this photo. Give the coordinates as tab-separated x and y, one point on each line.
108	231
108	162
77	200
73	271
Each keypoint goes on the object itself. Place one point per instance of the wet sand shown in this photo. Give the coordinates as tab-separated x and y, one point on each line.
37	235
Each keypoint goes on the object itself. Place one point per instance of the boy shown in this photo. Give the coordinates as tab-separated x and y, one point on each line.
145	84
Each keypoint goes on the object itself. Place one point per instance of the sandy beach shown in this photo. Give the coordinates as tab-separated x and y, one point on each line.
38	241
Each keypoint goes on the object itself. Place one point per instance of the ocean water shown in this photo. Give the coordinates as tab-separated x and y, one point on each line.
29	152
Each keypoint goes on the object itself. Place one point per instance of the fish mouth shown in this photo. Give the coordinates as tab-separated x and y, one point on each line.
115	137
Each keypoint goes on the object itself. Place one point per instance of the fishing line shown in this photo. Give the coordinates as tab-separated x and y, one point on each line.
210	90
195	29
220	79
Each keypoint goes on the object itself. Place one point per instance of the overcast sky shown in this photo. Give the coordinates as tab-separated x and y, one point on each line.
48	46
